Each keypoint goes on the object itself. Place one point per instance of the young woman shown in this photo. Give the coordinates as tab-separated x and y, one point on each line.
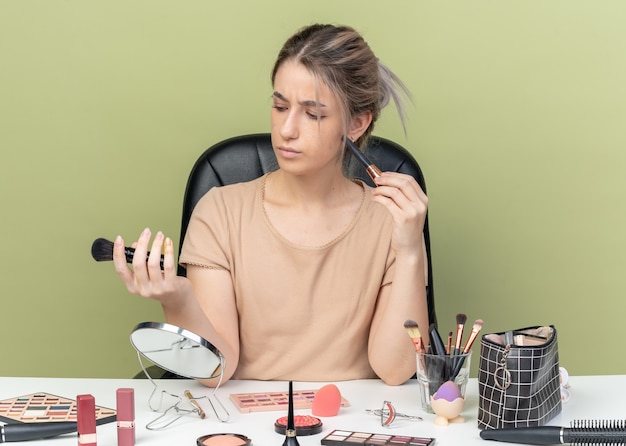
303	274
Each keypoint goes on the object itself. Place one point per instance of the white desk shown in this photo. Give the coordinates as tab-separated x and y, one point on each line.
592	397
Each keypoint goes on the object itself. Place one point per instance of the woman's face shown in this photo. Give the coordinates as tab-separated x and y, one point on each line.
306	121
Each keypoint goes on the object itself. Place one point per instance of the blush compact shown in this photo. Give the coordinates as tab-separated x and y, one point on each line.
304	424
223	440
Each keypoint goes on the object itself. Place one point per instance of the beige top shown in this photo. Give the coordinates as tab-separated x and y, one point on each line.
304	312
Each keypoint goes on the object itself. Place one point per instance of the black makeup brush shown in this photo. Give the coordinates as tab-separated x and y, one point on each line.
370	167
290	437
460	324
436	342
102	251
581	432
478	325
34	431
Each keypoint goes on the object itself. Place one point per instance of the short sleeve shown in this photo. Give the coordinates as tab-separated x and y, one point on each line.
207	239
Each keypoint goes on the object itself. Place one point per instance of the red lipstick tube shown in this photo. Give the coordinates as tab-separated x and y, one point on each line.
125	417
86	420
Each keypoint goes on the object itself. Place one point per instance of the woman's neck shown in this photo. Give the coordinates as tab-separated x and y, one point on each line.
311	213
284	189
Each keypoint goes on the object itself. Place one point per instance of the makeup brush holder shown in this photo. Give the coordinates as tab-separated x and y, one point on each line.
442	380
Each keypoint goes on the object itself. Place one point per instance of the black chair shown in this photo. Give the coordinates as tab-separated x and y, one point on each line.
244	158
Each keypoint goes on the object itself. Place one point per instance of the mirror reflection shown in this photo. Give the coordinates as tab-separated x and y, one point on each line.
183	353
177	350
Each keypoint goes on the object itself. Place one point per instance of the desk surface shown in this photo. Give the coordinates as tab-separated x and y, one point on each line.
592	397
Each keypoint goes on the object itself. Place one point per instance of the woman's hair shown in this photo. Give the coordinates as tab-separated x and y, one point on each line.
344	62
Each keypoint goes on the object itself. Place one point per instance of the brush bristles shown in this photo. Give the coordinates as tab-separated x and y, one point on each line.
461	319
478	325
412	328
602	432
102	250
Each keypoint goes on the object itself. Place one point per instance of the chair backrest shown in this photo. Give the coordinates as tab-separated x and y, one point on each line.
246	157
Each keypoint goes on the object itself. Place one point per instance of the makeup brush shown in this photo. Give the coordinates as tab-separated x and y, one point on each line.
460	324
435	341
290	432
449	344
370	167
102	251
34	431
581	432
413	330
478	325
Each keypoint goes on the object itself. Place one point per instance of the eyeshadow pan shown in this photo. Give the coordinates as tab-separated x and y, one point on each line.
361	435
43	408
346	438
262	402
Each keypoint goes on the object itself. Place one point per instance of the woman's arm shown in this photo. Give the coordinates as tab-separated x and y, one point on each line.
391	352
203	302
215	299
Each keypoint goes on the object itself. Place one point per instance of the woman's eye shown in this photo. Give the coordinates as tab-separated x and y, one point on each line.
314	116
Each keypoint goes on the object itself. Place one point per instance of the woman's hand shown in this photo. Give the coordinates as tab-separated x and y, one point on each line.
406	298
407	203
146	278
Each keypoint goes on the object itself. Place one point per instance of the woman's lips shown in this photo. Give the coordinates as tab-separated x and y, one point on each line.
287	152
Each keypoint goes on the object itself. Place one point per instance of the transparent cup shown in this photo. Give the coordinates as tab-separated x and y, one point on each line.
435	370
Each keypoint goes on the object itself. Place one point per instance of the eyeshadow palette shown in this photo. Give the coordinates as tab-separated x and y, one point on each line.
347	438
46	408
263	401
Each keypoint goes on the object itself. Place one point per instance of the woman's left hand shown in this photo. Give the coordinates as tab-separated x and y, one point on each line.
407	203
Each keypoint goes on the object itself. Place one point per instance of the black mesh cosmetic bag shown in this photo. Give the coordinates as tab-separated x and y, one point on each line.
518	378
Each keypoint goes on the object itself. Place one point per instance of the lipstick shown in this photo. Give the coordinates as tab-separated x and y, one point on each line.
125	416
86	420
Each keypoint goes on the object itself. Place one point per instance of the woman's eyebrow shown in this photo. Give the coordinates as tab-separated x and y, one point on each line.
306	103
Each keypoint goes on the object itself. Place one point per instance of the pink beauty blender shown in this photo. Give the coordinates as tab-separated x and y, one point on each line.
326	401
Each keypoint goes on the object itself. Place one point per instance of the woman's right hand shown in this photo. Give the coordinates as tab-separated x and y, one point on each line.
146	278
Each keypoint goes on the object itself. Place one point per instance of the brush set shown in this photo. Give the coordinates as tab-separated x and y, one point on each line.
453	351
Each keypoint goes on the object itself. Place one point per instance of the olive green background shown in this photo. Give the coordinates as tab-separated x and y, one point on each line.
519	123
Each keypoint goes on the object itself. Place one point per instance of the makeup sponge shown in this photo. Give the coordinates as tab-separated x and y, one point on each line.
326	401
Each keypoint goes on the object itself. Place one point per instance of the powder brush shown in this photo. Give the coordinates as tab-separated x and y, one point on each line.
102	251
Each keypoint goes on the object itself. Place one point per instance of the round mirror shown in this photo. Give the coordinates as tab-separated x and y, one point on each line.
177	350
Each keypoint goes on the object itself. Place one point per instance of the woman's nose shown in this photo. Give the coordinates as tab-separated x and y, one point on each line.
289	127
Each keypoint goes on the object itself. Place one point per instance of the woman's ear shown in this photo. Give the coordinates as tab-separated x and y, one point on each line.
359	124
